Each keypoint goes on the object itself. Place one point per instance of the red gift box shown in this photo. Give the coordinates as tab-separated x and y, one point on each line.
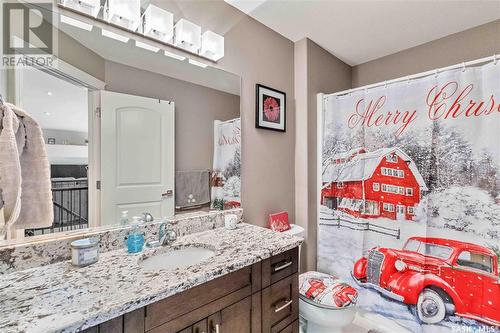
279	221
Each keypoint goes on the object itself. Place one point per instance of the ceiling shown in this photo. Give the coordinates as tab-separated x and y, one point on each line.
54	103
362	30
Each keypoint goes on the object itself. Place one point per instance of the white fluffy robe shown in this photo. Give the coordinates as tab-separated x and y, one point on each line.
24	171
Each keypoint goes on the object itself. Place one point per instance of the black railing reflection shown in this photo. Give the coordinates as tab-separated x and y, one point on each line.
70	198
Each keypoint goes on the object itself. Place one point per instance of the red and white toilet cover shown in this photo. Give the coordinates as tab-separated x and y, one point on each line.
326	289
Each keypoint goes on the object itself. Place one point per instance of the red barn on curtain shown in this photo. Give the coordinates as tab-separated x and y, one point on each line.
387	181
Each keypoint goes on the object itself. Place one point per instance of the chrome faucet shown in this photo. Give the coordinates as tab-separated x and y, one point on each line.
167	234
146	217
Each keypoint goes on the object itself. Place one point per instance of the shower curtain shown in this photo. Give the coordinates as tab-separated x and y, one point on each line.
226	176
410	204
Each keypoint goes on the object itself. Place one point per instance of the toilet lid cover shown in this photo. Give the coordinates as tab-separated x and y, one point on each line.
326	289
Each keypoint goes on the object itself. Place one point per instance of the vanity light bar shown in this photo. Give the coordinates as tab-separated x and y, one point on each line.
116	36
124	13
187	35
76	23
155	23
175	56
147	46
212	45
87	7
197	63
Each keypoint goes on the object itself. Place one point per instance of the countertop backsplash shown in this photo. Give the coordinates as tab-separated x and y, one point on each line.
44	252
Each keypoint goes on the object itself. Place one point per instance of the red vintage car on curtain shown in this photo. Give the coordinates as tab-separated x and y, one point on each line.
436	277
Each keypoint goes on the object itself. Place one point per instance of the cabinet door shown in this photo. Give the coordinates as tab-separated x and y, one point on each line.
200	327
215	323
280	304
237	317
292	328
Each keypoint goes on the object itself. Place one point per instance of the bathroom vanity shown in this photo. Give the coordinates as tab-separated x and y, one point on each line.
249	284
262	297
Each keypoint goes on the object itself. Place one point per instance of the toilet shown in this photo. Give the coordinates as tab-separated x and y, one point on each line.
326	303
295	230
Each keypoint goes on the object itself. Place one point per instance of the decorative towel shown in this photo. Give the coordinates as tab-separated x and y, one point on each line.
192	188
24	171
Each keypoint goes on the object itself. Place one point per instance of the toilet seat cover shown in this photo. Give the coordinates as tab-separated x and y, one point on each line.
326	289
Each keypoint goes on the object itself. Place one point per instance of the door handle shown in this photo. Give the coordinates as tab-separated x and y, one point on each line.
166	194
284	306
282	266
216	329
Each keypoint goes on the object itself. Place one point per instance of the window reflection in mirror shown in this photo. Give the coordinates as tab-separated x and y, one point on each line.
61	109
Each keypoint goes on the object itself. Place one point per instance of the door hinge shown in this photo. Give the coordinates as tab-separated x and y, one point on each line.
98	112
98	184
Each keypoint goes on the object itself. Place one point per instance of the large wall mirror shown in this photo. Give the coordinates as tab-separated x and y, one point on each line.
129	129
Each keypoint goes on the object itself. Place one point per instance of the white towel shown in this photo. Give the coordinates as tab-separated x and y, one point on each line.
24	171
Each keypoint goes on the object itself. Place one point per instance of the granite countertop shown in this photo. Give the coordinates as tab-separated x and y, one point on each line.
64	298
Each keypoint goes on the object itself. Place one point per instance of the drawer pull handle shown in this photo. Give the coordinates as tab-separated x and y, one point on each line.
283	266
284	306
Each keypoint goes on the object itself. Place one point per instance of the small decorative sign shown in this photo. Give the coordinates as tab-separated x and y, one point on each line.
279	222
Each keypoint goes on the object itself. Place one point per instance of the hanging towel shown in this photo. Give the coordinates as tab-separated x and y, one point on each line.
192	188
24	171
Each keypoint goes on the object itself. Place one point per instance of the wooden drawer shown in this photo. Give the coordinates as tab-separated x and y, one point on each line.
280	304
292	328
280	266
186	302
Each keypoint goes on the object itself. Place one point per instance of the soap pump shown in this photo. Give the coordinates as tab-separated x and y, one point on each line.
135	238
124	218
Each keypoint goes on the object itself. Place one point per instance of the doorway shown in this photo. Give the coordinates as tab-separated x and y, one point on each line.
137	156
400	212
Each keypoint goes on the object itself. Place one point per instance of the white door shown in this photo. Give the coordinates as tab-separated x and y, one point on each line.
137	156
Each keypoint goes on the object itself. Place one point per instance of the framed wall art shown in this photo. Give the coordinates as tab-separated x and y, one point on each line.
270	108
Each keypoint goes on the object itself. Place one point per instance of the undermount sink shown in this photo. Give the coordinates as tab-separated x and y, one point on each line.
177	258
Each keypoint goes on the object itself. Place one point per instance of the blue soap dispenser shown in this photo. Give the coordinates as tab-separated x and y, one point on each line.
135	238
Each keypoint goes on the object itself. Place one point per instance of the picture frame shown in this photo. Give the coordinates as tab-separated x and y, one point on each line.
270	108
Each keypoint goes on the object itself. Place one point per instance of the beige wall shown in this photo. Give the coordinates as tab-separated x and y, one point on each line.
260	55
301	151
475	43
196	108
79	56
316	71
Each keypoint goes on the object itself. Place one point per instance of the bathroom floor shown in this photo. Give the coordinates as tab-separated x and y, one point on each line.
353	328
364	324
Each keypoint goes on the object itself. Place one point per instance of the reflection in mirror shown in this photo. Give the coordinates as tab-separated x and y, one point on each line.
129	127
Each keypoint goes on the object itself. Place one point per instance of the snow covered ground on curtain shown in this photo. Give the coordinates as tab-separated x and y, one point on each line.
340	248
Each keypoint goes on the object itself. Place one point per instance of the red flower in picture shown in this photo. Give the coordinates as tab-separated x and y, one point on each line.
271	109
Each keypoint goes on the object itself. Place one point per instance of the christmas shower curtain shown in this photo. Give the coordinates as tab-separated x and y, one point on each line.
226	176
410	205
